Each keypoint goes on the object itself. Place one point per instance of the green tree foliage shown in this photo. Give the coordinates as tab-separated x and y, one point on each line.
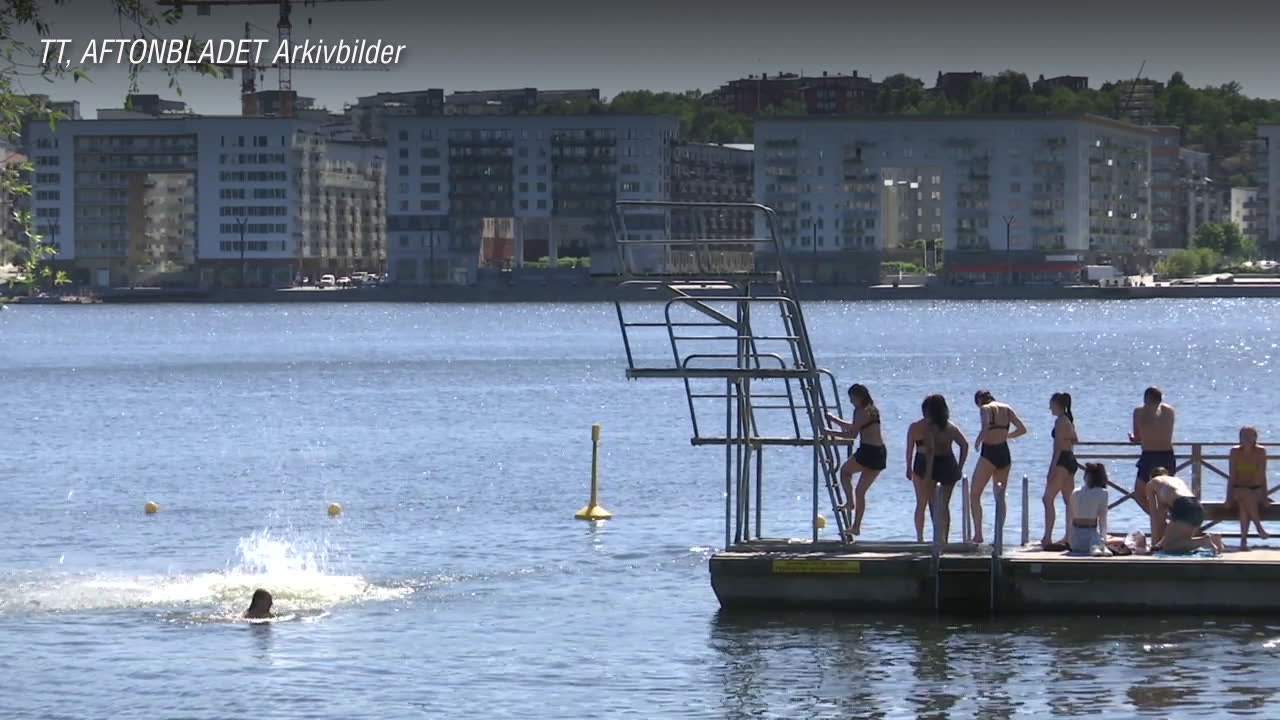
1224	239
1188	263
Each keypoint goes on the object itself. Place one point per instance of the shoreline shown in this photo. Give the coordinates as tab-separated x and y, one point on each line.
610	292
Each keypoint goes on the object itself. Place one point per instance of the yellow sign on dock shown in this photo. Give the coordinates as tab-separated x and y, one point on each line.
831	567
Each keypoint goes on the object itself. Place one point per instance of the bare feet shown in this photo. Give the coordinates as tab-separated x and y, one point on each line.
1263	533
977	540
1044	542
1216	540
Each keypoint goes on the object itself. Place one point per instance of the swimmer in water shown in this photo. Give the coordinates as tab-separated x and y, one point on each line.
259	606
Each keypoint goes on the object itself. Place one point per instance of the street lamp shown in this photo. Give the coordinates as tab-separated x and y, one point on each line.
1008	249
244	270
815	251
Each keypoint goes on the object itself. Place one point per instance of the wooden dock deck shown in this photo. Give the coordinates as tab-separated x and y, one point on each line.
968	579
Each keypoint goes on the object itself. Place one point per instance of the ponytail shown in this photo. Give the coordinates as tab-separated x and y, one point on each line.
1063	400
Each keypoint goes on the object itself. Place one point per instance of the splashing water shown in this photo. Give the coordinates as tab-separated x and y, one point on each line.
294	572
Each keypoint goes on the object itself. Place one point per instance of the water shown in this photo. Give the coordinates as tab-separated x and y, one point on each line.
456	584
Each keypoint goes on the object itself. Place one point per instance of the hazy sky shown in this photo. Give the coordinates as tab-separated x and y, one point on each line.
667	45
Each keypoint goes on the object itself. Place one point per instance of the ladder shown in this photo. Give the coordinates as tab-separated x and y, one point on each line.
730	327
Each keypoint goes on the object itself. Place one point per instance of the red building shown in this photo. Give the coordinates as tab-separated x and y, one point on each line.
825	94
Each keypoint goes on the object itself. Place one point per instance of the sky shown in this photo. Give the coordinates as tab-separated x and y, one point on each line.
699	44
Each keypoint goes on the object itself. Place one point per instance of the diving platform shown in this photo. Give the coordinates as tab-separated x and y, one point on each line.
728	325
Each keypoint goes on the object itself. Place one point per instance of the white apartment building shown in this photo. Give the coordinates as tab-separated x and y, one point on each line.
472	192
1245	213
1060	190
1268	201
168	200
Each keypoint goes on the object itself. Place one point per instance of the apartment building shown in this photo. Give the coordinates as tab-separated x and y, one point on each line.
1245	214
1203	200
825	94
709	173
369	114
199	200
1057	190
517	100
1268	200
467	193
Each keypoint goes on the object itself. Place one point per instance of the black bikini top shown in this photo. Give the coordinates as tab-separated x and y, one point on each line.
994	426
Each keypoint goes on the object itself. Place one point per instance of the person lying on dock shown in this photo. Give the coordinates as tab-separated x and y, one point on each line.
260	606
1176	516
1247	486
1088	513
868	460
1153	430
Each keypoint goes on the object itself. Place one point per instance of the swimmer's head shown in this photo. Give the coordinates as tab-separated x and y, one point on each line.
1152	396
260	605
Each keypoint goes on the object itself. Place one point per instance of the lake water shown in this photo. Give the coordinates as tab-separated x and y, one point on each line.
456	582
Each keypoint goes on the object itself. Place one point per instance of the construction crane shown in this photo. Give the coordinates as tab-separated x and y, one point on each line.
284	31
249	85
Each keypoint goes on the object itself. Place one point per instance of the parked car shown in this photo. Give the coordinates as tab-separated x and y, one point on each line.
327	281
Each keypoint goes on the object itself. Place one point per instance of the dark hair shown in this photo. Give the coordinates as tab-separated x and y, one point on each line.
935	411
860	392
1152	395
982	397
1158	472
1063	400
260	598
1095	475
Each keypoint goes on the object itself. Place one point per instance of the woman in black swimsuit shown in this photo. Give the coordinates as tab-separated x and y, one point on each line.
870	457
1060	479
933	462
993	446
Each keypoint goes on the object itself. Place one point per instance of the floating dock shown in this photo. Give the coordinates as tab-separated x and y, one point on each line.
967	580
733	333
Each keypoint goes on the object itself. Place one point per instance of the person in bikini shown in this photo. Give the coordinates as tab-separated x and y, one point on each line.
1062	468
1247	486
992	445
1176	516
868	460
1153	430
933	463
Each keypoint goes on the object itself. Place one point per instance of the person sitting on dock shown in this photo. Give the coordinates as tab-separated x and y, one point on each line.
934	463
992	445
869	459
1063	466
1176	516
1153	430
1088	513
1247	486
259	606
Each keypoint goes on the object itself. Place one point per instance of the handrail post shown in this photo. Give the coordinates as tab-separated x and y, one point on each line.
997	548
1197	468
1026	511
937	547
966	525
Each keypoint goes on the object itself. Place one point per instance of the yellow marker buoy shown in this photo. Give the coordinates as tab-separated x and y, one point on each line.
593	511
335	509
151	508
820	521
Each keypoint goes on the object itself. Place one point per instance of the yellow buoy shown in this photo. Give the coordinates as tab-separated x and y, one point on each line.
335	509
820	521
151	508
593	511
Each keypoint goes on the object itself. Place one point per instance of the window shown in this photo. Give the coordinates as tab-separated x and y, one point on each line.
542	187
431	187
524	187
430	153
524	204
430	169
542	204
404	153
1015	187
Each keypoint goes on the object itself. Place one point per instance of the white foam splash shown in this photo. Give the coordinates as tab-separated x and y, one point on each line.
295	575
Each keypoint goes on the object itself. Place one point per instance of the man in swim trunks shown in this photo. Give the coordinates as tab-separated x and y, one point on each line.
1153	430
1176	516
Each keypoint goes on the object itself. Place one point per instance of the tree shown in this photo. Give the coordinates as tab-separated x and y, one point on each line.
1222	238
1180	264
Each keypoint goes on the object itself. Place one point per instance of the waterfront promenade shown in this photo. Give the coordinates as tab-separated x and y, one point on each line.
605	290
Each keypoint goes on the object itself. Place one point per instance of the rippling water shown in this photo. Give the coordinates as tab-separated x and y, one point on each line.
456	584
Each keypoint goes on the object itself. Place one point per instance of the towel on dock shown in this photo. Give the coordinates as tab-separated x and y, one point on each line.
1197	553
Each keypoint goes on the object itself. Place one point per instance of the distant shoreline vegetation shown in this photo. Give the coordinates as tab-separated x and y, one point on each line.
1221	120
